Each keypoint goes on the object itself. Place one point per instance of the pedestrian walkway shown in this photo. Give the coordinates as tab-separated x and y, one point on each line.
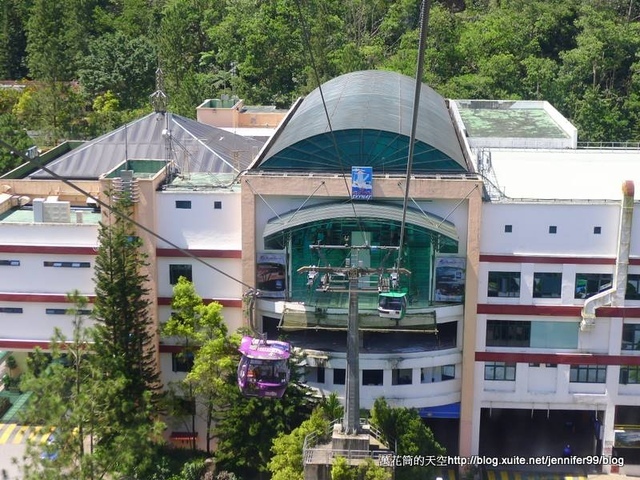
12	433
508	475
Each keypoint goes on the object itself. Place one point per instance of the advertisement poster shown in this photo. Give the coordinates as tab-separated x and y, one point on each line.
361	183
271	274
450	278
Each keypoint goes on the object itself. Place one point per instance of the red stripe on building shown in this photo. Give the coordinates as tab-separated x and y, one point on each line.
558	358
39	297
547	310
48	249
555	310
174	252
554	260
10	344
225	302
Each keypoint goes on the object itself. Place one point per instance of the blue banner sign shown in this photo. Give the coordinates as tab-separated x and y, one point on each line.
361	183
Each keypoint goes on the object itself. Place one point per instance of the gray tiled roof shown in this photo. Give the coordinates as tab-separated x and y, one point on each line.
194	146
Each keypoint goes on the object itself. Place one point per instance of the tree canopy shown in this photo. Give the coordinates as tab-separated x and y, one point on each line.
580	55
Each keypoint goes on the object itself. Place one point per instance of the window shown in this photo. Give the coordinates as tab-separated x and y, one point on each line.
339	376
447	372
588	374
177	271
372	377
401	376
597	230
183	204
553	229
631	336
320	374
217	205
9	263
633	287
182	362
67	264
508	333
504	284
629	374
588	284
547	285
65	311
508	228
10	309
500	371
185	406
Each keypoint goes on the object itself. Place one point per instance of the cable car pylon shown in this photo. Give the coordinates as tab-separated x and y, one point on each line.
351	420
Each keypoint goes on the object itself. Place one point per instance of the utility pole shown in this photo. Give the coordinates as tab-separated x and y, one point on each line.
351	420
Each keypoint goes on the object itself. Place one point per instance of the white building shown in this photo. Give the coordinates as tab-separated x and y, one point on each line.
510	229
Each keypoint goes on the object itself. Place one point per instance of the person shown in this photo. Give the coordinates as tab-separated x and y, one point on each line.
567	450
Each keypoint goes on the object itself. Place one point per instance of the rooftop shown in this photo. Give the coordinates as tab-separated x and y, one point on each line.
203	181
25	215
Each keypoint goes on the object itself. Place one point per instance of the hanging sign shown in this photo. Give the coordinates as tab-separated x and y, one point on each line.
361	183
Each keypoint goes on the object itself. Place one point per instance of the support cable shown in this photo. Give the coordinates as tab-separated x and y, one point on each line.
426	5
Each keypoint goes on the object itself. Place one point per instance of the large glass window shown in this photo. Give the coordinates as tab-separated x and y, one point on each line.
372	377
550	334
182	362
177	271
499	371
629	374
401	376
504	284
633	287
588	374
507	333
631	336
588	284
547	285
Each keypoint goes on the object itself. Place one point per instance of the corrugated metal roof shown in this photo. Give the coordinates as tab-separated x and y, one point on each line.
195	147
371	115
363	210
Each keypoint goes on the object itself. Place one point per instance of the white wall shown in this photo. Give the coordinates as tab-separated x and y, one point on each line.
56	234
208	282
202	226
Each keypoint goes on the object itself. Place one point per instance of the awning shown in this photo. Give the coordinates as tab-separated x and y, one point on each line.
451	410
184	436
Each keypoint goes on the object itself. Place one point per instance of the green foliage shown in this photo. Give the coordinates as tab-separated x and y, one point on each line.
124	66
5	404
247	426
78	401
286	463
411	436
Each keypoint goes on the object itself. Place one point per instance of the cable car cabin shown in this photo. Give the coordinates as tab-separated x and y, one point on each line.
263	370
392	304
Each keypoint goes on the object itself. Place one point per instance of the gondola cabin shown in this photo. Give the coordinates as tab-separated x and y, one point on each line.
392	304
263	370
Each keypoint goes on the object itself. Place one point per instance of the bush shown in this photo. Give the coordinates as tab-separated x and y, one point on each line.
5	405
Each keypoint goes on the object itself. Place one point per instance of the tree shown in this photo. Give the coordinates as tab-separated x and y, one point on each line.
124	66
13	40
246	427
12	132
201	331
411	435
124	337
71	399
286	462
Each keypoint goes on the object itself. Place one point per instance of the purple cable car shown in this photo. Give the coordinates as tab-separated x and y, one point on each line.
264	368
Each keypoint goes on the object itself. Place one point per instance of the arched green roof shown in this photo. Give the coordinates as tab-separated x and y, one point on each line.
370	114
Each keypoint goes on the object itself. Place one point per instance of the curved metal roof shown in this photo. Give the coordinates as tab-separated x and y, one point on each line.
330	211
370	114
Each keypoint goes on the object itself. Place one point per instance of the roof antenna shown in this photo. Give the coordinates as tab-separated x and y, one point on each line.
159	98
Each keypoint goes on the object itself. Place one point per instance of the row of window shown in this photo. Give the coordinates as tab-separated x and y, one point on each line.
186	204
48	311
16	263
549	284
374	377
541	334
629	374
553	229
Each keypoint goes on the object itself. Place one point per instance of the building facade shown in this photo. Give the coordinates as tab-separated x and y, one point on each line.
516	251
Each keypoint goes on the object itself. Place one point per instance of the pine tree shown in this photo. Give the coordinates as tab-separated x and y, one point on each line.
124	338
